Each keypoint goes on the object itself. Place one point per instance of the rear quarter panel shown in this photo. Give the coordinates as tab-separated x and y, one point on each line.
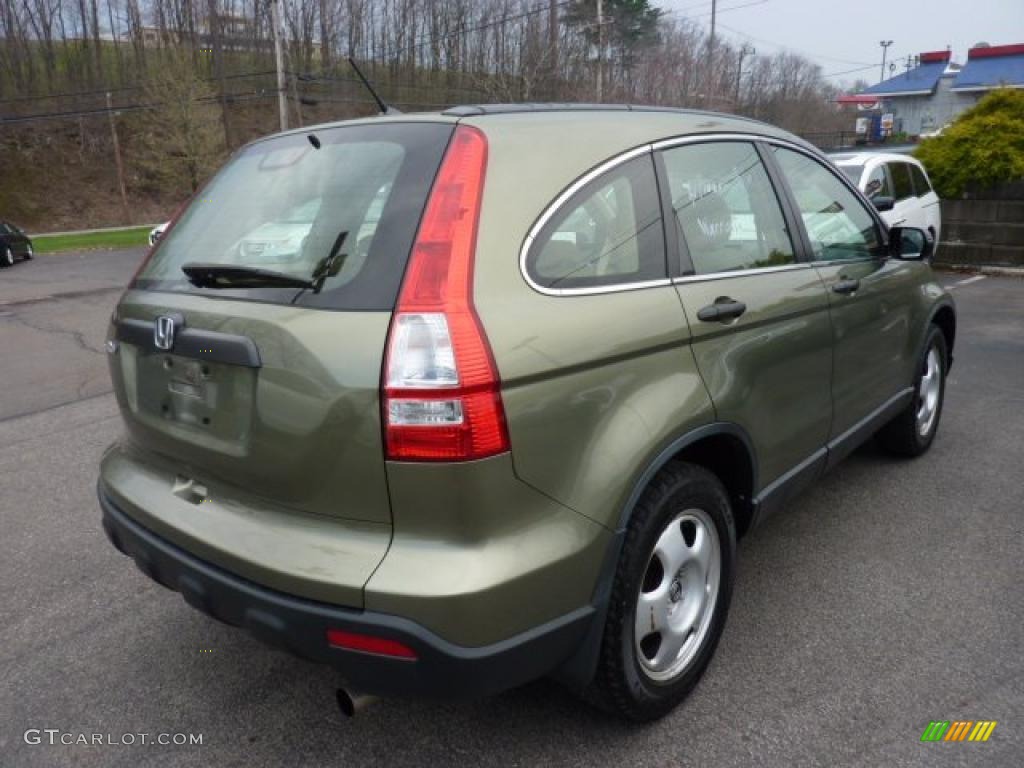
593	386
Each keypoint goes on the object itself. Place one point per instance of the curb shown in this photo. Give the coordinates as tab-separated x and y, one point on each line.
975	269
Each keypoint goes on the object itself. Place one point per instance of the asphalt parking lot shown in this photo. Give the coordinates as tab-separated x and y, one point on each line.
888	596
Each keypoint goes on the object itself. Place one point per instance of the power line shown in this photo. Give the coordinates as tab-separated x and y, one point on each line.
809	54
849	71
121	89
76	113
430	39
682	11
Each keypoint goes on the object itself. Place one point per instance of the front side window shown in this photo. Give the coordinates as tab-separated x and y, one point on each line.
725	208
878	184
838	225
609	233
902	186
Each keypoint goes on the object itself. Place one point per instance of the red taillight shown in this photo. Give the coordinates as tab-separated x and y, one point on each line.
381	646
441	397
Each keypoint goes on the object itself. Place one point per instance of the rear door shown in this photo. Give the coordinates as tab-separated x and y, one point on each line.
271	392
758	316
866	290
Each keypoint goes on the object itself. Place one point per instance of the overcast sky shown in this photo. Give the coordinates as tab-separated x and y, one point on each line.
843	35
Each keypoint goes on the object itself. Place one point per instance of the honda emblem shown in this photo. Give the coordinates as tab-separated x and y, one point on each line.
163	332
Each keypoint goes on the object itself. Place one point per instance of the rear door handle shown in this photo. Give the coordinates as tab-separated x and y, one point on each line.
846	286
723	309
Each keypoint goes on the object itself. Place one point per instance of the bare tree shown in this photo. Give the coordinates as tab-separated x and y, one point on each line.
182	133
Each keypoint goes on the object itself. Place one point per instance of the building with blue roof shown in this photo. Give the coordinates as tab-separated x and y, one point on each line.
930	95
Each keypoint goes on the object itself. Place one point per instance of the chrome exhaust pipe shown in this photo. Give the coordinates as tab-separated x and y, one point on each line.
350	702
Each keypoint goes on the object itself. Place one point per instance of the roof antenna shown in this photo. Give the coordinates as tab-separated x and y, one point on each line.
384	108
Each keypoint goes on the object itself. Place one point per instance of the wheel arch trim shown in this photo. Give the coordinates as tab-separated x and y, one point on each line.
676	446
943	305
578	671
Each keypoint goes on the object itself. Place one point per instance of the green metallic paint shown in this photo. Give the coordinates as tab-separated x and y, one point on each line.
768	370
303	430
875	334
311	556
478	555
594	388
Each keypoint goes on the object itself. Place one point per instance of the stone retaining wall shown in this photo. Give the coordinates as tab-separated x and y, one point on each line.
984	228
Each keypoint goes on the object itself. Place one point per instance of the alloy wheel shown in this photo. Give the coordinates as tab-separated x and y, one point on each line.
928	392
678	595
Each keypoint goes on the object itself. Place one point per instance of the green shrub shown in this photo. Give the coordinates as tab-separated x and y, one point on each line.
983	147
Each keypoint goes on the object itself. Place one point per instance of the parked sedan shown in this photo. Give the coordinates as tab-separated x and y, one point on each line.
13	244
157	232
899	187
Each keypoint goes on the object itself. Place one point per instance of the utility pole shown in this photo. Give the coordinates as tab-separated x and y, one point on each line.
885	50
282	97
711	54
117	160
552	46
600	51
745	50
216	32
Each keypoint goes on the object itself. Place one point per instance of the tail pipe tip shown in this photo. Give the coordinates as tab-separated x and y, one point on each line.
350	702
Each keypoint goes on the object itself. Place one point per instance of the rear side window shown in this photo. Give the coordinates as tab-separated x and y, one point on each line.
280	205
609	233
902	186
921	185
726	209
838	225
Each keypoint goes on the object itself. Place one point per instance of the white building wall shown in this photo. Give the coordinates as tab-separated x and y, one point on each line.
919	114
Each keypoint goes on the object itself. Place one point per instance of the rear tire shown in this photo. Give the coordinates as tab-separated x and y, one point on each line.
29	253
671	593
911	433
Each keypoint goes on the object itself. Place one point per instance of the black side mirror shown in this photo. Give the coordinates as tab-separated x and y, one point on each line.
883	203
911	244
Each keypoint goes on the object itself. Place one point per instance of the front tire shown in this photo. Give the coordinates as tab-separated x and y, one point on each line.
671	593
8	258
911	433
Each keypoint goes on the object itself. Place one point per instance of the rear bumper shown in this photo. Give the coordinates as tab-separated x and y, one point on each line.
300	626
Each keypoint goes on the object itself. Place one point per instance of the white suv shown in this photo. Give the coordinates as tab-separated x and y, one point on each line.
898	186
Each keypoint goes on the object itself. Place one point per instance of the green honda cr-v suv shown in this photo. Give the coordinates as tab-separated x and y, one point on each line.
501	404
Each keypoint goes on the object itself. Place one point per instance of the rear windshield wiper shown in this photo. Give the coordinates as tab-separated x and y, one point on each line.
329	266
238	276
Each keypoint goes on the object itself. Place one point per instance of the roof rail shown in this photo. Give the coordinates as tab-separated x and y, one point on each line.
475	110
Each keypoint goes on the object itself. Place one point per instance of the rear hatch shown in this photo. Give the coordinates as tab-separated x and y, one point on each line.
245	381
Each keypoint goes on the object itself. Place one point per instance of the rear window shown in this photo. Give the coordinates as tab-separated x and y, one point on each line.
280	204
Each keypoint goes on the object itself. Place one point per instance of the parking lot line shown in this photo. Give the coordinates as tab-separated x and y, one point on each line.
967	281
